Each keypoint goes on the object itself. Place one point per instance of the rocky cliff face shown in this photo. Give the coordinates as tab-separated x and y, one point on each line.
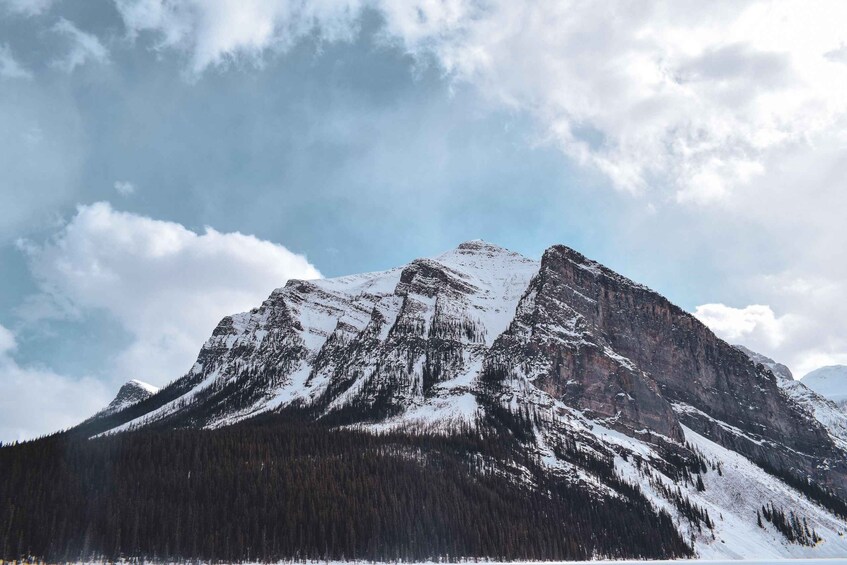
562	352
828	413
714	388
558	342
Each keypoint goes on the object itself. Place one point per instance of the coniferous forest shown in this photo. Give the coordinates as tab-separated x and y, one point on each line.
279	489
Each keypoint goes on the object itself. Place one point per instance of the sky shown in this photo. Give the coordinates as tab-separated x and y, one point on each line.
164	163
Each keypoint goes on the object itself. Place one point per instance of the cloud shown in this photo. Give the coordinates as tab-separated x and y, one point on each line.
689	99
26	7
837	55
756	325
165	284
686	98
36	401
124	188
732	116
726	119
9	66
223	31
811	331
83	47
7	341
804	340
794	216
781	245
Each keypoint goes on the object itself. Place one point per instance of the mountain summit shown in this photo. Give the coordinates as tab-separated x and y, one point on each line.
130	393
558	378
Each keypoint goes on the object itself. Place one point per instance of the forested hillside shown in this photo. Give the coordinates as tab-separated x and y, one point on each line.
278	489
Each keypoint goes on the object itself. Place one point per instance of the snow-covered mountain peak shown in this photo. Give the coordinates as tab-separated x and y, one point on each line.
130	393
830	382
479	255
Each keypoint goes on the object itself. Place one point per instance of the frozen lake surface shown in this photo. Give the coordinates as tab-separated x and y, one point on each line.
835	561
823	561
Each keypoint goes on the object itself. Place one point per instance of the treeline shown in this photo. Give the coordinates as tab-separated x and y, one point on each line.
695	514
794	529
275	489
819	493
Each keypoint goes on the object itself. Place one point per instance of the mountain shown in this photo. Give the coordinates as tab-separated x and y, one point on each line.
130	393
548	409
778	369
829	414
830	382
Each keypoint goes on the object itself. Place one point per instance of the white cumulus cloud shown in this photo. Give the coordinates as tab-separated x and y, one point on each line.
124	188
812	335
756	325
166	285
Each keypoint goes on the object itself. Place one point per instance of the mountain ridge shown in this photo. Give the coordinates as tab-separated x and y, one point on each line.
424	339
590	384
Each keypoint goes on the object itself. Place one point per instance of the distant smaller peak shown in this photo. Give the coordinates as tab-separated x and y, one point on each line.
829	382
131	392
830	371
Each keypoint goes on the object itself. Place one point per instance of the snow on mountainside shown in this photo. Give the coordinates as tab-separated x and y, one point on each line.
829	382
576	361
823	409
468	294
130	393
